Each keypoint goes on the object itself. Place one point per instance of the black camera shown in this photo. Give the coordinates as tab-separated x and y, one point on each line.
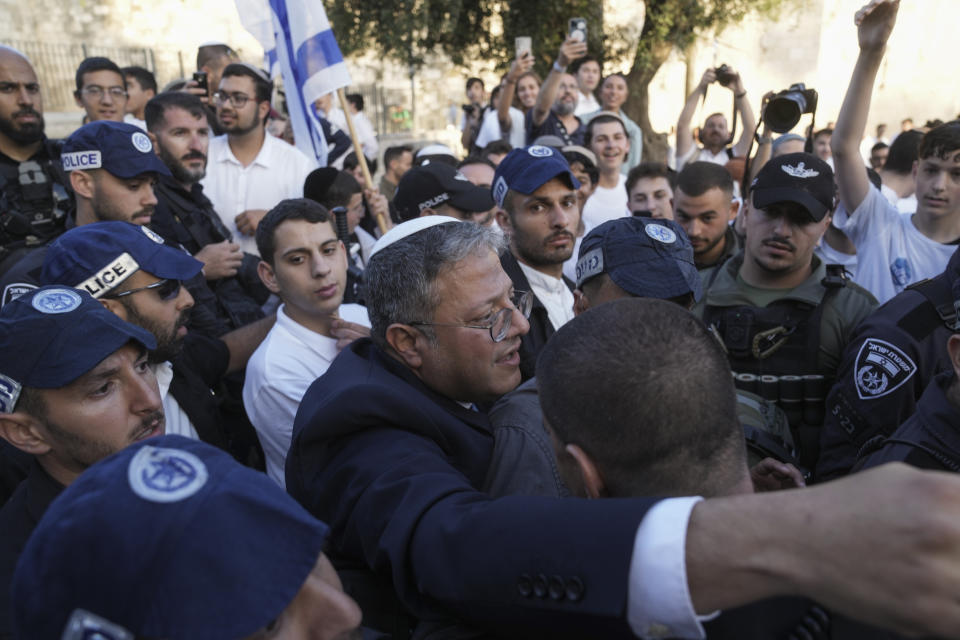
785	108
725	75
471	109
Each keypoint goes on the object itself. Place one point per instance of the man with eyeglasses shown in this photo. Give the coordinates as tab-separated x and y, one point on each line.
34	200
101	89
138	277
249	171
111	168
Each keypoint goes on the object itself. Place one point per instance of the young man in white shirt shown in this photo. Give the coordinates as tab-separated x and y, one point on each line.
587	72
248	171
893	250
305	264
608	139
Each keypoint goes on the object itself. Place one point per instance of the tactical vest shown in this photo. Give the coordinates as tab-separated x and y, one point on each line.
33	201
774	352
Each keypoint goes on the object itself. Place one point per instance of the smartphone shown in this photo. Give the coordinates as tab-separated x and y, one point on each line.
523	43
578	29
200	77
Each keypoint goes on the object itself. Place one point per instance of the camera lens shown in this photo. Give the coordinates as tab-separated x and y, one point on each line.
783	112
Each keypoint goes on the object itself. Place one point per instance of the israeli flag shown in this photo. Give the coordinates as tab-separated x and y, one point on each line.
298	40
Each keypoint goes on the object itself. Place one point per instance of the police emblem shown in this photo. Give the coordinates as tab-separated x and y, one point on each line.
881	368
660	233
13	291
56	301
84	625
141	142
500	191
165	475
539	151
150	233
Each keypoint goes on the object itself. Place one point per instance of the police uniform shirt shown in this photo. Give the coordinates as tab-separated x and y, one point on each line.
278	172
288	360
553	293
177	422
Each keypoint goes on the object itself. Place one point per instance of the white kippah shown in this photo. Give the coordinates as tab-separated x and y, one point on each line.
435	150
409	228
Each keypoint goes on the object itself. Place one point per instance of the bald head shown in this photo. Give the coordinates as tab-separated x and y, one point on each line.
21	106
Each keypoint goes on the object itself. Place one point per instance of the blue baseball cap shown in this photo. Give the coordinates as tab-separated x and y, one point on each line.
97	257
124	150
527	169
51	336
646	257
169	538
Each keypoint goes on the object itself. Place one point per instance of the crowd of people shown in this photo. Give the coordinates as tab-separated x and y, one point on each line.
244	396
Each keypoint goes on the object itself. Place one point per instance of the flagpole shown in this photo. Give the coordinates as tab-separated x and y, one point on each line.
358	149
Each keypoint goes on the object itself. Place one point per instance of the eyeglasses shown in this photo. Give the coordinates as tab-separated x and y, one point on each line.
167	289
236	99
499	325
96	91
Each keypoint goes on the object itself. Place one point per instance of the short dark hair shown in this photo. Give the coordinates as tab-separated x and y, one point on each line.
940	141
155	110
651	170
97	63
904	151
332	193
669	427
356	99
263	88
211	52
472	81
290	209
588	167
32	403
878	146
697	178
144	77
392	153
496	147
823	132
350	162
473	159
575	67
601	119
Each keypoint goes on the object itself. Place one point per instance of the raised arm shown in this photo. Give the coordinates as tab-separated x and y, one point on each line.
742	104
875	23
522	64
570	50
684	136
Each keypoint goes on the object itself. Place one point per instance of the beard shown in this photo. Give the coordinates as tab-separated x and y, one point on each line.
169	344
23	134
564	108
179	170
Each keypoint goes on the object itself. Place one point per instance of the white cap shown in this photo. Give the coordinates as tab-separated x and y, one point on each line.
409	228
435	150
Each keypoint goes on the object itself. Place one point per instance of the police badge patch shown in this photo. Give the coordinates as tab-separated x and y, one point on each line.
881	368
14	290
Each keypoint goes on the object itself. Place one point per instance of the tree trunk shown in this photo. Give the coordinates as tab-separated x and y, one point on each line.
645	67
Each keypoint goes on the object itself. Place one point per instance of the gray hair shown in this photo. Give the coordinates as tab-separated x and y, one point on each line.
399	280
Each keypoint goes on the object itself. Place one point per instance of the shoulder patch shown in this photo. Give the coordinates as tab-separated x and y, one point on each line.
881	368
14	290
165	475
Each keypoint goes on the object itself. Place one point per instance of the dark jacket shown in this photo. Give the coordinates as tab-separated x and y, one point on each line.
395	469
540	326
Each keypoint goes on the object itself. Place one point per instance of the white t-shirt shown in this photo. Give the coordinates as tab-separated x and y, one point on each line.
277	173
135	121
829	255
490	129
586	103
891	252
279	372
606	204
903	205
699	154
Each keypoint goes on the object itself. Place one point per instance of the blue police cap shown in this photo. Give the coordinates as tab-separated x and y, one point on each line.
124	150
51	336
169	538
97	257
646	257
527	169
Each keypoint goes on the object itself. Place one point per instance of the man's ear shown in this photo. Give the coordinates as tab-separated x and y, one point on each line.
504	221
21	430
734	210
115	306
406	341
592	480
953	348
153	140
268	277
580	302
82	183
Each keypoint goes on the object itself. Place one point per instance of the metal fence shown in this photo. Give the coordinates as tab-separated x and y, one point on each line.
56	65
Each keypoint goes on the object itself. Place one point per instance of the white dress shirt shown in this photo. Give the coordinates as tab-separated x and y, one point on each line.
366	133
552	293
177	422
277	173
279	372
586	103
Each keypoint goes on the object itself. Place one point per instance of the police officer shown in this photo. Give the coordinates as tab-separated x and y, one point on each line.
172	539
33	198
784	317
111	168
74	388
895	354
137	276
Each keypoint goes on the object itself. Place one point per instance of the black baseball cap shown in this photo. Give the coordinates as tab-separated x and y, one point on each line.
437	183
795	177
